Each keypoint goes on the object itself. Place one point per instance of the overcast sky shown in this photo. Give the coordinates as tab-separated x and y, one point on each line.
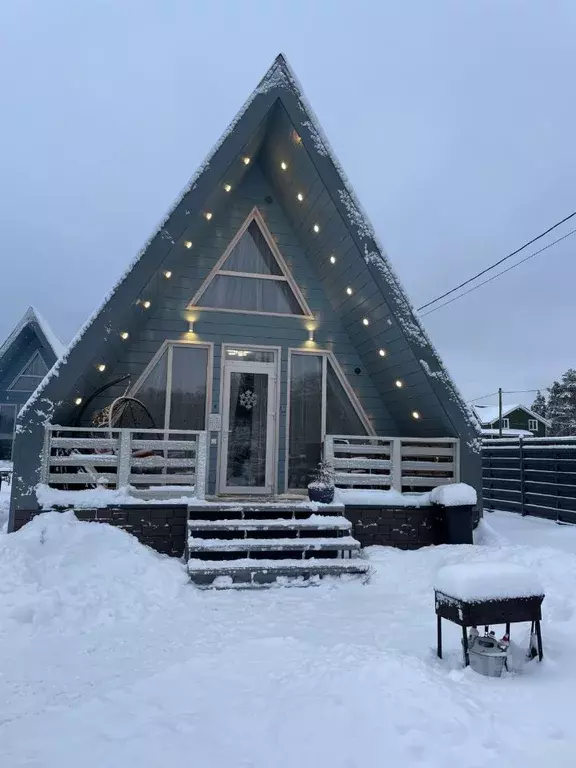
455	122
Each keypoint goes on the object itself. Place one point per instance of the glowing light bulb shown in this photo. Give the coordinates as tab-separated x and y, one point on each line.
332	259
146	304
102	367
300	196
227	187
316	228
208	215
283	166
78	401
246	160
382	352
399	384
365	321
188	244
167	274
415	415
349	291
124	335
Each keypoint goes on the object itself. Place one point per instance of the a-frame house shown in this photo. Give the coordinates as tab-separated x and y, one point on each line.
26	356
264	315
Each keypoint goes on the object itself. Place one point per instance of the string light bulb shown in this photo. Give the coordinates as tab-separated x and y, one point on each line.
208	215
399	383
188	244
167	274
349	291
78	401
382	352
283	166
332	259
246	160
365	321
124	335
415	415
300	196
101	367
227	187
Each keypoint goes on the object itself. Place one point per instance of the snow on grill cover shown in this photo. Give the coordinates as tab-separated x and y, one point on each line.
487	581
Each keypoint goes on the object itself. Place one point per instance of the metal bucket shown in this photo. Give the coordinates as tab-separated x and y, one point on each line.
487	656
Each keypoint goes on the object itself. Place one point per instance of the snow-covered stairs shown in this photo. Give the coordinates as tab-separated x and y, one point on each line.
260	544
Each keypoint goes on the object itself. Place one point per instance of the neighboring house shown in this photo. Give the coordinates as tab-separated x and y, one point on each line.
25	358
517	421
262	317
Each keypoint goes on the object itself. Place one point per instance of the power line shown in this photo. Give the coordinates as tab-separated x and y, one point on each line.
497	263
498	274
490	394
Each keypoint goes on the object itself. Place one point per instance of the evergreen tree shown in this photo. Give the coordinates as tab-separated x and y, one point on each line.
539	405
561	407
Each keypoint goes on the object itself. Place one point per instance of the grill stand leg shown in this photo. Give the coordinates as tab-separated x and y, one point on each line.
465	647
439	637
539	638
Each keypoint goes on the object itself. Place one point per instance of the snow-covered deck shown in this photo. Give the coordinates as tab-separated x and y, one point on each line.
109	658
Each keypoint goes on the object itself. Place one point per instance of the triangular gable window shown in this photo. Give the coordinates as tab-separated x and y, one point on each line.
31	375
251	276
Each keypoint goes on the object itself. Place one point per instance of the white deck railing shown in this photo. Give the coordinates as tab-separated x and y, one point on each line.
399	463
115	458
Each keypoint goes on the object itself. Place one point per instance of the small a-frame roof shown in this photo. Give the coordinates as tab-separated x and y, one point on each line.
488	414
279	100
34	320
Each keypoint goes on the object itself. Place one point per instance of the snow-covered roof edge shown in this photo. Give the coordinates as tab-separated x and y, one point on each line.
359	219
272	78
30	316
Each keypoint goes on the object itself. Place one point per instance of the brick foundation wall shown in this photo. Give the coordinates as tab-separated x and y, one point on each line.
162	527
402	527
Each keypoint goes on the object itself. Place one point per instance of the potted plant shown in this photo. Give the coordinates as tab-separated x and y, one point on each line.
321	489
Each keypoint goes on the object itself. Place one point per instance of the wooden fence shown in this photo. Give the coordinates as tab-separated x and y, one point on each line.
401	463
531	476
76	457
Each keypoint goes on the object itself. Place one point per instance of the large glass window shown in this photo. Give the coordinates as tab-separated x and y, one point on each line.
175	389
7	424
31	375
316	393
252	278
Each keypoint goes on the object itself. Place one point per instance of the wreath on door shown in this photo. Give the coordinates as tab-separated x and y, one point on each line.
248	399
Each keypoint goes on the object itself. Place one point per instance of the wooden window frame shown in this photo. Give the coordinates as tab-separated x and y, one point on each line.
533	425
285	277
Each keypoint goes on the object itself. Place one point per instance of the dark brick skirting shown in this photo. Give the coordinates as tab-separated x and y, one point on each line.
403	527
162	527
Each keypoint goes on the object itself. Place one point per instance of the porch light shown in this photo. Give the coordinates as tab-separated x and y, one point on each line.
78	401
188	244
382	352
283	166
208	215
399	383
365	321
190	326
101	367
227	187
167	274
300	196
124	335
349	291
316	228
332	259
415	415
246	160
146	304
311	334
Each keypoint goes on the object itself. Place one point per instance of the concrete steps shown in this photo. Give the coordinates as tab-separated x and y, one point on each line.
234	545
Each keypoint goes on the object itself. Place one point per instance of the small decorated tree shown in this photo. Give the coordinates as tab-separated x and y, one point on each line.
321	488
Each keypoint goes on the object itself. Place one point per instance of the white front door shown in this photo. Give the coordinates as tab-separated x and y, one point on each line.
249	417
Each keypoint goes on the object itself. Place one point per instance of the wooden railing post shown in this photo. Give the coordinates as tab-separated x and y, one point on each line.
201	464
124	458
46	451
396	460
329	451
522	477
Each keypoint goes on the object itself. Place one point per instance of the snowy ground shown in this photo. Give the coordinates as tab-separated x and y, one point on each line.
109	659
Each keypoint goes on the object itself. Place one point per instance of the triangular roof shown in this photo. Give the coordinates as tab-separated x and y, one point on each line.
33	319
488	414
393	322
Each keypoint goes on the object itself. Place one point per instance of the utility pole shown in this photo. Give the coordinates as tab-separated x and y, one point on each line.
499	411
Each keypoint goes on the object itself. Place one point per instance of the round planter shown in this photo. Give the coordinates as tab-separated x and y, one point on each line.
323	494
